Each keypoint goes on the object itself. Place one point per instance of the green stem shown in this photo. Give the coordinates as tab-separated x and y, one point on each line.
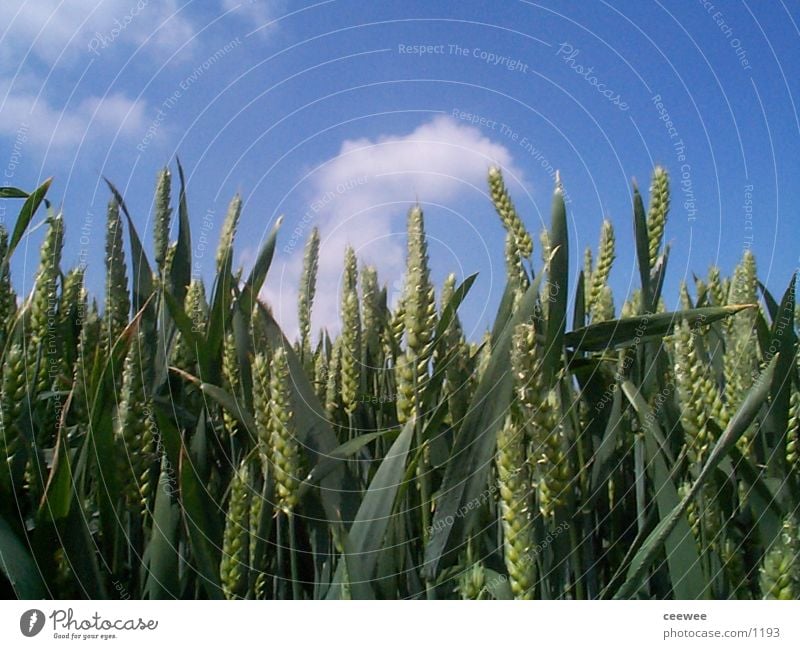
297	591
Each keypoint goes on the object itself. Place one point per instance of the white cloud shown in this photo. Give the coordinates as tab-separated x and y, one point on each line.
48	127
55	29
259	13
354	196
46	44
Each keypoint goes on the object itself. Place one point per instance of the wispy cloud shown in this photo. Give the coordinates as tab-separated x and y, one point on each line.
356	198
47	44
61	129
258	13
53	30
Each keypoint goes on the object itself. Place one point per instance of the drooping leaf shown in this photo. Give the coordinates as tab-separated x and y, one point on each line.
630	331
29	208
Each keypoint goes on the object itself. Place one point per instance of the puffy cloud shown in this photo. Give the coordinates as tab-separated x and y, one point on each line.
354	196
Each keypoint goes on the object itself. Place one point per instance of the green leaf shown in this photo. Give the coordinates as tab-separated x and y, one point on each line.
642	248
233	405
644	557
657	277
202	520
12	192
683	555
57	498
605	451
579	308
259	271
769	300
25	215
161	557
451	308
631	331
180	275
503	312
80	552
783	341
365	537
185	325
332	460
18	565
558	288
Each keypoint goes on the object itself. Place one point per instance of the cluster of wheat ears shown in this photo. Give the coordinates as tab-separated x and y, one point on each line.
174	443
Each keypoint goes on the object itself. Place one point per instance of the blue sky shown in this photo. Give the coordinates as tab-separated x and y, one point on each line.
341	114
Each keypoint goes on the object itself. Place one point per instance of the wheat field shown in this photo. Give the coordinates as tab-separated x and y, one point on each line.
167	440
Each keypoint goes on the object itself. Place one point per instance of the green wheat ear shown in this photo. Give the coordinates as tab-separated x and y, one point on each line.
513	481
284	449
508	214
44	301
780	572
599	296
89	349
230	374
118	305
320	370
196	308
228	232
134	431
793	433
333	386
13	388
8	299
234	565
472	582
71	311
657	212
551	469
741	362
419	320
715	287
308	288
161	222
351	334
371	312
